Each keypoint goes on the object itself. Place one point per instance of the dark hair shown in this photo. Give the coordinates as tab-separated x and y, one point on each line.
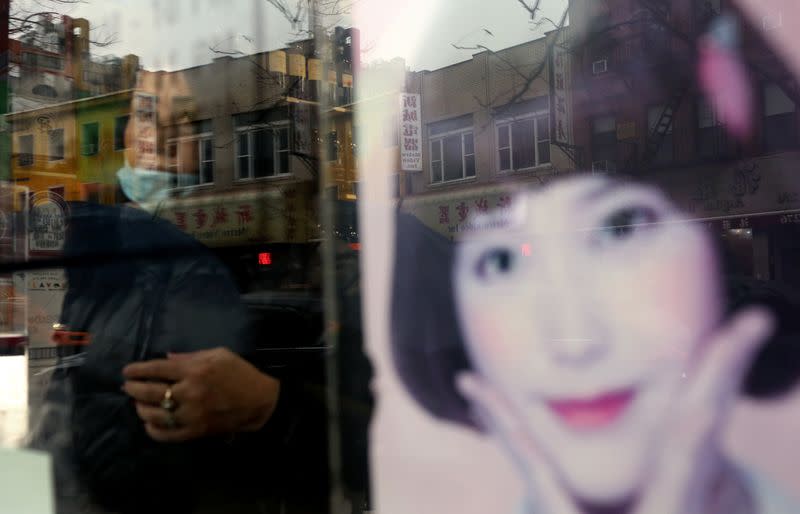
428	348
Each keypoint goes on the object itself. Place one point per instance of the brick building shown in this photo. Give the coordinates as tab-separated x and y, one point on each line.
639	110
489	125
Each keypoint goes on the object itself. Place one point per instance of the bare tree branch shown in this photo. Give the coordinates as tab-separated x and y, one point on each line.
26	16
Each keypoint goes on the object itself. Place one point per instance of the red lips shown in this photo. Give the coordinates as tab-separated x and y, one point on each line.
592	413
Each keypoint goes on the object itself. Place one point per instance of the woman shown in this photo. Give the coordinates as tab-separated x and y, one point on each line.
584	329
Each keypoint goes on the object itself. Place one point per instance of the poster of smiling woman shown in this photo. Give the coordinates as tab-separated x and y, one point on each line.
559	322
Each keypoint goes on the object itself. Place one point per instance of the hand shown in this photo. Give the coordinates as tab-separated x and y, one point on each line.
690	465
216	392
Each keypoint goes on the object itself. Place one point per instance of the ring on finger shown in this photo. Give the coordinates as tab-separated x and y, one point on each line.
168	403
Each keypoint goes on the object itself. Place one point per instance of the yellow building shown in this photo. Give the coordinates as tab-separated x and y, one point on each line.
73	149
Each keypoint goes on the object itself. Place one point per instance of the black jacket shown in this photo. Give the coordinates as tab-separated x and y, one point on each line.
141	288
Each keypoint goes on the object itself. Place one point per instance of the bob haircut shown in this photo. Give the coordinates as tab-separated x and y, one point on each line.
428	348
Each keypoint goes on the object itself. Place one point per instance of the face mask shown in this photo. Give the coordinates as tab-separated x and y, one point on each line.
145	186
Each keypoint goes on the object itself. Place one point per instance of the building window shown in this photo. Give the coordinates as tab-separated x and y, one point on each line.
452	156
523	143
262	152
191	159
664	140
604	142
120	125
780	120
333	146
25	155
712	140
90	140
56	148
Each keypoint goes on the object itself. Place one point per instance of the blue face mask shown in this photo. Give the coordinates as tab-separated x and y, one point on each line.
145	186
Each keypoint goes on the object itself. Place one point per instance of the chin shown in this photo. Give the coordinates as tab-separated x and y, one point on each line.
604	476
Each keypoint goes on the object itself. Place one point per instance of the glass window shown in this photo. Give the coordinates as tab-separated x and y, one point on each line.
452	156
662	138
780	119
56	146
120	125
90	138
25	154
523	143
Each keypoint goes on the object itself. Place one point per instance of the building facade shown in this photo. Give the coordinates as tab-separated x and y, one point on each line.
494	123
639	110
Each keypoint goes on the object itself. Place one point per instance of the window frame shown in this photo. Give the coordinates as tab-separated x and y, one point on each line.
116	122
439	139
51	157
509	122
249	131
175	164
30	155
96	150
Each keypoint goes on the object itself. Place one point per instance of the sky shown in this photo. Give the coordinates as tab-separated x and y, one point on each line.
175	34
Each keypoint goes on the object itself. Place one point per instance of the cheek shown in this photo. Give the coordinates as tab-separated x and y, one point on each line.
494	334
670	300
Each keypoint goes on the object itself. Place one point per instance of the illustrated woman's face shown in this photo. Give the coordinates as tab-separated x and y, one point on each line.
585	315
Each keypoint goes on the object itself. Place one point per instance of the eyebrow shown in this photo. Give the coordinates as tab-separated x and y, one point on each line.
600	191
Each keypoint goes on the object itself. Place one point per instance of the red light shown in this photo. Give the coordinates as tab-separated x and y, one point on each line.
526	250
354	246
264	259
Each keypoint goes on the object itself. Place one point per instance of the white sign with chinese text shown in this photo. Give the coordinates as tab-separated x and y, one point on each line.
562	124
410	132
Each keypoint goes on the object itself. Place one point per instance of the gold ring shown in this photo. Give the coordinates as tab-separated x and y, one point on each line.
168	402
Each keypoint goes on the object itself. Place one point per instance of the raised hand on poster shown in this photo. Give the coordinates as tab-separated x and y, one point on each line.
688	473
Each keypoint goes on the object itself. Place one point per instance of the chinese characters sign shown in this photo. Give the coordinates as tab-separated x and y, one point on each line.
146	127
279	215
453	215
559	86
410	132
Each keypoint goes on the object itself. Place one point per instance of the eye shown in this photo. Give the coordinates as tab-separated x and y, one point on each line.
623	223
494	263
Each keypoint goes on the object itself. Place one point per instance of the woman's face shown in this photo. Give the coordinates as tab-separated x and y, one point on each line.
586	315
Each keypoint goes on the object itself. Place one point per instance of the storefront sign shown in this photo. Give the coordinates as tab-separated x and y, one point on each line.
277	215
297	65
410	132
277	61
452	215
314	69
47	228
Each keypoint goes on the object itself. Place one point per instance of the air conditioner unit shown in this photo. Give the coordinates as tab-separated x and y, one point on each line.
599	67
604	167
772	21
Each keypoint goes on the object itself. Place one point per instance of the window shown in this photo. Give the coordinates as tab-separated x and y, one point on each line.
90	139
452	156
333	146
665	148
25	154
120	125
604	141
524	143
712	141
56	148
262	152
780	119
191	159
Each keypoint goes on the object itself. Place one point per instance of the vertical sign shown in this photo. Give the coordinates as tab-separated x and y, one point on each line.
559	87
146	130
410	132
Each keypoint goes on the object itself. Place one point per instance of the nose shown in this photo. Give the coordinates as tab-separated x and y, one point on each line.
570	320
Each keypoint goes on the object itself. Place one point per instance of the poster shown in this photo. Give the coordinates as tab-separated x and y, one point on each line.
593	346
